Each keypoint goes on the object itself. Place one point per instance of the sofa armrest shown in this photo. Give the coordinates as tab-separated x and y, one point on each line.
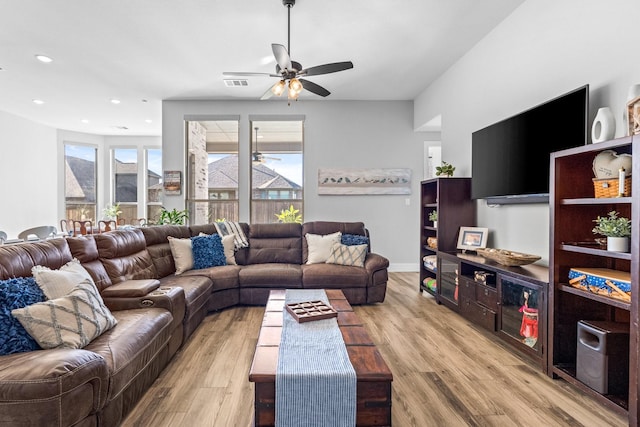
171	298
374	262
131	288
51	387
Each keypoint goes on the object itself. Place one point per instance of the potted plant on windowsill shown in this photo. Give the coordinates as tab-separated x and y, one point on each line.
174	216
617	229
111	212
433	216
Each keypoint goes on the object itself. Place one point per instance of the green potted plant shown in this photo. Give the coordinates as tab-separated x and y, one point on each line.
446	169
616	228
433	216
112	211
173	216
289	215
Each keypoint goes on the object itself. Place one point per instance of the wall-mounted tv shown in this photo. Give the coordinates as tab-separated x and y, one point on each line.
510	159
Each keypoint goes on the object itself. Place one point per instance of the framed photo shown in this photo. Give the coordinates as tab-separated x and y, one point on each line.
172	183
472	238
633	116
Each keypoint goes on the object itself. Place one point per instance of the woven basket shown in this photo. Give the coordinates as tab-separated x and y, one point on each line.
608	187
508	258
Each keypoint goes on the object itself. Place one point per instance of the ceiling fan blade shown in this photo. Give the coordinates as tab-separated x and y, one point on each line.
282	56
241	73
326	68
268	94
314	88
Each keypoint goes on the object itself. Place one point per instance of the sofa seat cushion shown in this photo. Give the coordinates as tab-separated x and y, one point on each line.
56	387
333	276
271	275
223	276
196	291
132	344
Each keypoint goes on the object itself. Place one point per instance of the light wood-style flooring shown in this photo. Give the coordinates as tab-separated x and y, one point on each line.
446	372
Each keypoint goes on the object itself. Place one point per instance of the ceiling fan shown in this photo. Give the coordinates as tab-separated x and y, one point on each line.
291	72
257	156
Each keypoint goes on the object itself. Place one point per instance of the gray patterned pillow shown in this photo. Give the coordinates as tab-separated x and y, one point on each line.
72	321
353	255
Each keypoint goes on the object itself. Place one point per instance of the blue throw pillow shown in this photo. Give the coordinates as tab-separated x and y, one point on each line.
207	251
354	239
17	293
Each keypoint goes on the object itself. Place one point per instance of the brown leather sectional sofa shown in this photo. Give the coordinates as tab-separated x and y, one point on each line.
156	311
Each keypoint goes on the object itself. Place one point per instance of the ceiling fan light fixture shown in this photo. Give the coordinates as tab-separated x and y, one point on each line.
295	85
278	88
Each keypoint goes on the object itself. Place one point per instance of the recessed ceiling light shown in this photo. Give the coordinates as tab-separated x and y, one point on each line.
144	100
84	121
44	58
38	101
149	121
115	101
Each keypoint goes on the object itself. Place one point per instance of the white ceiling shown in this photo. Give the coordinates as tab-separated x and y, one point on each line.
145	51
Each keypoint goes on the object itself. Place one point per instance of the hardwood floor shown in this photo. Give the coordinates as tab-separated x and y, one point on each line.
446	372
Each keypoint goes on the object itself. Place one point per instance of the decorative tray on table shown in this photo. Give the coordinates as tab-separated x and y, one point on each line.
311	310
508	258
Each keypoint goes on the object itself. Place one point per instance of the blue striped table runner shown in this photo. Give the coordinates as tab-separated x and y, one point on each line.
315	381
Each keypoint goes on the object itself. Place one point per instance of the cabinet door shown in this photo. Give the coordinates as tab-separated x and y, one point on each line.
522	309
448	280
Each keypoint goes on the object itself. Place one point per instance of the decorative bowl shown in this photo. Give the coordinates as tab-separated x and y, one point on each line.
508	258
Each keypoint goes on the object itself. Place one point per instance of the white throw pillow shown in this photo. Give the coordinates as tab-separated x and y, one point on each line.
353	255
59	283
182	254
228	242
72	321
320	246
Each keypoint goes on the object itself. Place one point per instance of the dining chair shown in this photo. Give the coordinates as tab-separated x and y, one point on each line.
66	226
105	225
140	222
41	232
82	227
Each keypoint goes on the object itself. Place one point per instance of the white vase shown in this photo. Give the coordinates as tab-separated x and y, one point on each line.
618	244
435	224
604	125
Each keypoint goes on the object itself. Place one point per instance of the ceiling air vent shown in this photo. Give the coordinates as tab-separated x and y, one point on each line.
236	82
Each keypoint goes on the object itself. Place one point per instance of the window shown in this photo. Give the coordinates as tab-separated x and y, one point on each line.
125	182
212	170
80	182
153	184
276	169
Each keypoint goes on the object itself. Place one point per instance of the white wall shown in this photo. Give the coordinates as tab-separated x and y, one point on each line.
29	195
336	134
543	49
32	171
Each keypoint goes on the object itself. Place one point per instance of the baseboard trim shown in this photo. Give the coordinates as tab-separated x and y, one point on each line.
404	268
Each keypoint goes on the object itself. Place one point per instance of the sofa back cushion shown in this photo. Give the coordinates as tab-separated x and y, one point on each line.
85	250
18	260
158	246
277	243
327	227
125	256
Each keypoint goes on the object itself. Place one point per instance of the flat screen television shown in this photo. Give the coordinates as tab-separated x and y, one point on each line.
510	159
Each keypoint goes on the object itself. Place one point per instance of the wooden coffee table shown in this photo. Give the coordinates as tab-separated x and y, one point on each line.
374	378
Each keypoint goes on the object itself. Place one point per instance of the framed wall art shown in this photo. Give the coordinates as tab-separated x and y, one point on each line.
349	181
172	183
472	238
